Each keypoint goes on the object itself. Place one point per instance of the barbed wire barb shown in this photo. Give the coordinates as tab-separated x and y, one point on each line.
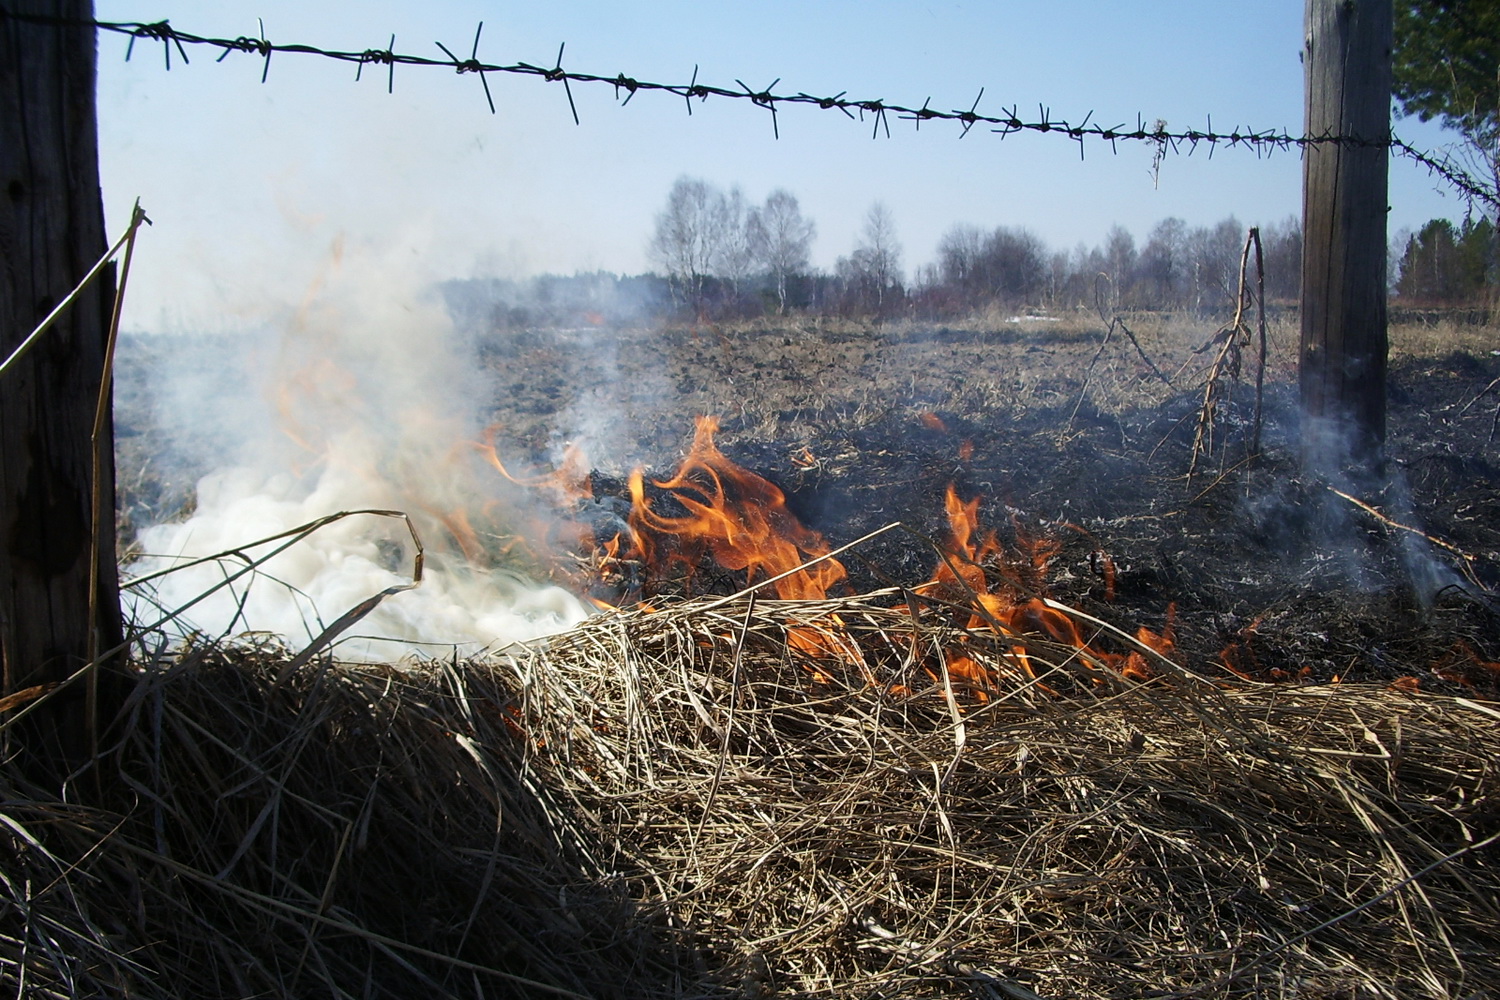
826	103
630	86
558	74
968	118
1080	132
877	111
266	48
386	56
692	91
159	30
472	64
765	100
921	114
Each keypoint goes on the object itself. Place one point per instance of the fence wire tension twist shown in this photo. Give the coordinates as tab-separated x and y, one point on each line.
878	110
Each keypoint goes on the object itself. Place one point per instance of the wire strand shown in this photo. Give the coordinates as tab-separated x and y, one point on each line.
1008	122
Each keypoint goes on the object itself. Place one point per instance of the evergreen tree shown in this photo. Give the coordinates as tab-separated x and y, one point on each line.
1446	65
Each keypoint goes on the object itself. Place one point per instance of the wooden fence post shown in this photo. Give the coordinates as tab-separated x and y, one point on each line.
51	234
1347	72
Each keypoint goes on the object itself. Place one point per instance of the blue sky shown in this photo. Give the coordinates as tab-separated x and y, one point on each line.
250	185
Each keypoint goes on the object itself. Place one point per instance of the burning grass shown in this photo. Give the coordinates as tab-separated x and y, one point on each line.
683	803
964	787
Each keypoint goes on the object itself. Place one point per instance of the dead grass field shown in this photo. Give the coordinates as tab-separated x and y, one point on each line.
682	802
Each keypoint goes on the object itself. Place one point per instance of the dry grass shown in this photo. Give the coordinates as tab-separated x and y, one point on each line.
1442	338
683	803
679	803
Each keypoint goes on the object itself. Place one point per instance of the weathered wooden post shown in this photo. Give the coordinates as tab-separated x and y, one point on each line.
1347	72
51	234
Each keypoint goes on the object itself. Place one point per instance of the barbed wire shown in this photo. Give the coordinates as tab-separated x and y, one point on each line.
877	111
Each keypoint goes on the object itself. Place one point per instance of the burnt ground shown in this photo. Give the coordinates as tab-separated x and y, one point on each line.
1069	436
864	426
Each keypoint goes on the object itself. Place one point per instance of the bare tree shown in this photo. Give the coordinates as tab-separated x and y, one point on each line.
1081	284
685	239
781	240
874	268
1014	264
1006	264
881	249
1163	266
959	253
1059	271
1283	252
1214	255
732	257
1120	261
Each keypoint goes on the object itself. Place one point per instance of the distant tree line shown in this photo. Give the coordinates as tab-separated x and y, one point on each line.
719	256
1178	268
722	256
481	306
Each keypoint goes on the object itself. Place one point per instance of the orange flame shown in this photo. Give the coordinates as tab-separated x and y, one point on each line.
1104	566
1018	607
463	534
742	522
1462	665
734	516
1022	570
1134	665
1238	657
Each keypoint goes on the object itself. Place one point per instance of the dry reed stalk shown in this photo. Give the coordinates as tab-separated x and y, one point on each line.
1465	560
1231	339
682	803
101	453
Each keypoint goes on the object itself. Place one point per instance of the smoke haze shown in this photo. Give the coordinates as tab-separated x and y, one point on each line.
364	395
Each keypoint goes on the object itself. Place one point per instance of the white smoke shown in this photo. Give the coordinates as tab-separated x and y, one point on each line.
1346	469
375	403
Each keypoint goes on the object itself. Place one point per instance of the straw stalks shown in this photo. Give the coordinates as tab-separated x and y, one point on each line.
680	803
1232	339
